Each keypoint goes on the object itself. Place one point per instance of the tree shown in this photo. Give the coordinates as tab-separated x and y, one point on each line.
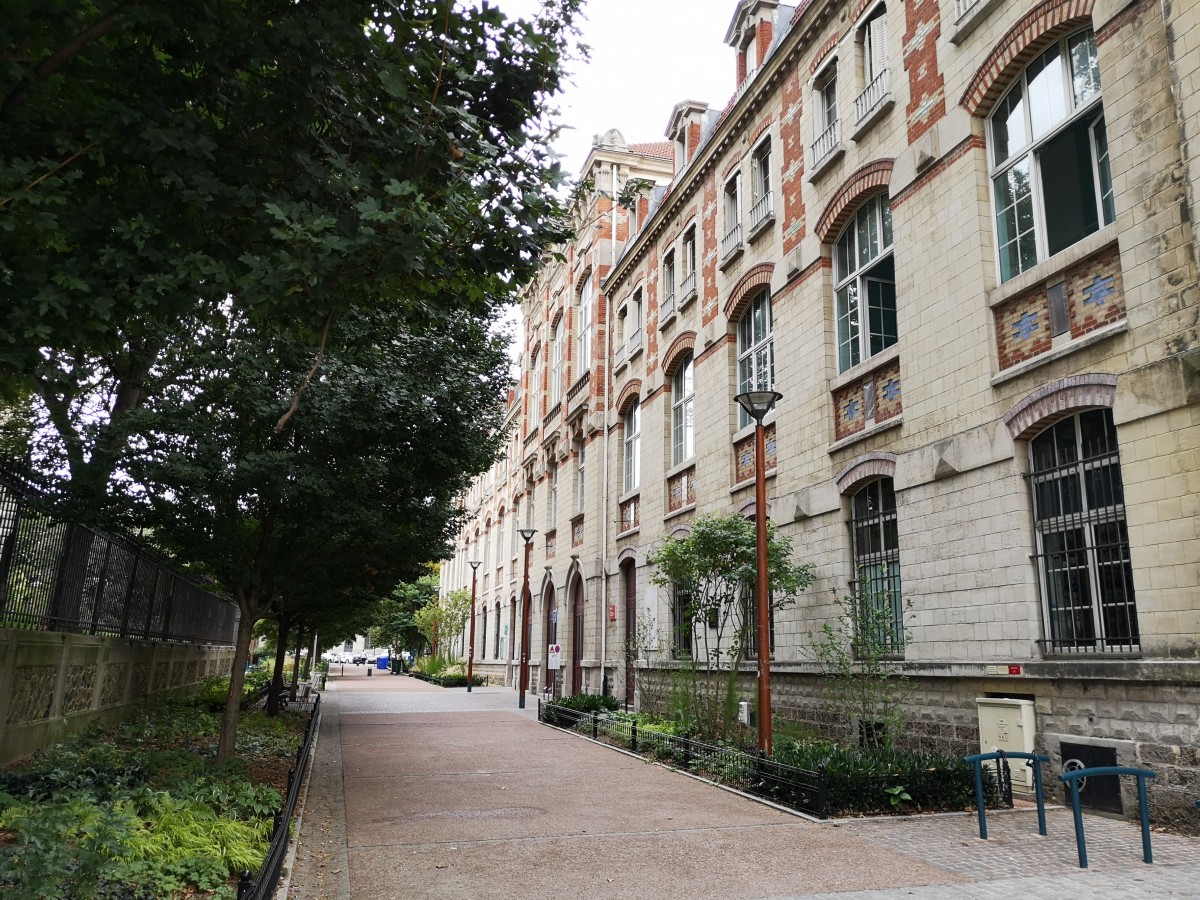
714	566
439	622
352	498
165	163
395	618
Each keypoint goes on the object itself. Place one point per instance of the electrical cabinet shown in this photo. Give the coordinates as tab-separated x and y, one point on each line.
1008	724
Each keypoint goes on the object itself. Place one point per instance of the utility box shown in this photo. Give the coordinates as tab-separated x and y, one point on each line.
1008	724
743	713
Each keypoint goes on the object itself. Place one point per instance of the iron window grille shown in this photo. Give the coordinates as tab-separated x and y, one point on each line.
876	550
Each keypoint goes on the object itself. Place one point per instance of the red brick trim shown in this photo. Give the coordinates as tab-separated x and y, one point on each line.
873	178
1121	19
1017	48
974	142
865	467
862	7
747	289
1057	400
759	131
716	345
684	342
822	55
629	393
587	273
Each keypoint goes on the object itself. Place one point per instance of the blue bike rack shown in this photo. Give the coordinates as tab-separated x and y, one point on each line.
1071	779
1035	760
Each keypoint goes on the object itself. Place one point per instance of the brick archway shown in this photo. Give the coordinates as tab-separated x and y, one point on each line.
683	344
629	393
747	289
865	467
871	179
1057	400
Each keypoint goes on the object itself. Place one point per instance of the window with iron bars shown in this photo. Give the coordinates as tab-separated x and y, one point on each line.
1082	538
876	550
681	621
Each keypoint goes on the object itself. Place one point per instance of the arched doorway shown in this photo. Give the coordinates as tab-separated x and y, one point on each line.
577	640
551	637
510	654
629	576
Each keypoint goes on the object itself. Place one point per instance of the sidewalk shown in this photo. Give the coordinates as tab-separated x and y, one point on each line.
418	791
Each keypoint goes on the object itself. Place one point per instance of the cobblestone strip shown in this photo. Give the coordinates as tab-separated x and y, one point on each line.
322	869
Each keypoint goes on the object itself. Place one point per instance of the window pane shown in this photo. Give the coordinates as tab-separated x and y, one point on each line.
886	206
1085	69
844	257
1009	133
847	319
1047	93
881	309
863	227
1104	172
1014	220
762	365
1070	205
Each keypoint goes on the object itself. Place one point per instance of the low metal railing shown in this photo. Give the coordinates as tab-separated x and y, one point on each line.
761	210
687	287
732	241
749	771
263	884
866	102
826	143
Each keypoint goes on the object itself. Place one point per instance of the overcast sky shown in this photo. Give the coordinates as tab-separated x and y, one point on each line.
646	56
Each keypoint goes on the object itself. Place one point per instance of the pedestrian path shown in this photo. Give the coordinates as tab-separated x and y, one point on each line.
417	792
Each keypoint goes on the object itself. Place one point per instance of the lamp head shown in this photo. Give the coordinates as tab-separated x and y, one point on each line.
758	403
528	534
475	563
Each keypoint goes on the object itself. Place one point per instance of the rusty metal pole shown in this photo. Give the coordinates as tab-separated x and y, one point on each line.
762	590
474	564
528	534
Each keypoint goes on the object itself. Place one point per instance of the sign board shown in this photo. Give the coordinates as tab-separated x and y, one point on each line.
554	656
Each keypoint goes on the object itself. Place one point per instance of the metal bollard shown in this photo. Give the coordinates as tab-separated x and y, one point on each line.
595	726
633	736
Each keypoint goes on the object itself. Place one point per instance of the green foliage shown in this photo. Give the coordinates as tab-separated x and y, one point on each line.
439	621
589	703
394	621
860	655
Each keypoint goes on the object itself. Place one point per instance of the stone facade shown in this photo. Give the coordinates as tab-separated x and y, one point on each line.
978	346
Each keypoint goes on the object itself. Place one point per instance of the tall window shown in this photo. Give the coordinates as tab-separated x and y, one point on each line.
760	197
668	281
876	553
556	366
732	209
874	41
584	330
827	111
864	271
535	387
683	413
687	286
1082	539
681	621
634	324
633	446
552	503
529	507
496	644
750	614
483	635
1050	173
756	351
580	477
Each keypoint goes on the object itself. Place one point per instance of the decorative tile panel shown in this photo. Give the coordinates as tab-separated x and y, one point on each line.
629	514
681	489
577	532
743	455
1095	297
113	691
141	681
551	543
78	694
874	398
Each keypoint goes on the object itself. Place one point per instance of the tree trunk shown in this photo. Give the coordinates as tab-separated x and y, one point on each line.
296	665
285	627
237	677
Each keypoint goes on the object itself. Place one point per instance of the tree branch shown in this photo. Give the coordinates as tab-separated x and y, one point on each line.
60	58
307	380
62	165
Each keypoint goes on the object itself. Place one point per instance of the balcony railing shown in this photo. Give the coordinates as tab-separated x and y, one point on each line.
761	211
667	308
865	103
635	342
687	287
826	143
619	356
963	8
732	242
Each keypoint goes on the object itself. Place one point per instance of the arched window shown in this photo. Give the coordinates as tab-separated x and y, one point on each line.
756	351
1049	156
876	554
633	446
683	412
496	644
1082	539
865	284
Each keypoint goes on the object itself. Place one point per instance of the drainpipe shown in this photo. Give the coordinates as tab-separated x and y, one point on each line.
608	329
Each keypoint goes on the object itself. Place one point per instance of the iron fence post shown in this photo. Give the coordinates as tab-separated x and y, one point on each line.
244	885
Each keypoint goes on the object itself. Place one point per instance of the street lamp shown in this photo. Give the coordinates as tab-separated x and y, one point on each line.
528	534
474	564
757	404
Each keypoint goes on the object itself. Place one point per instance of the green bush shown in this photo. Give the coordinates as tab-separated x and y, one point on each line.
589	703
456	679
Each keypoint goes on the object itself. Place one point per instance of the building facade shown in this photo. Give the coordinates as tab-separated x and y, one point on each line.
956	237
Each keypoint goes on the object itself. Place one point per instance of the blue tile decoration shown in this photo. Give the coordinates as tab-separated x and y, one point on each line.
852	409
1098	291
891	390
1025	326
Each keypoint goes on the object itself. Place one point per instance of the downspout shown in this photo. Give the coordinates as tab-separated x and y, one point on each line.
609	313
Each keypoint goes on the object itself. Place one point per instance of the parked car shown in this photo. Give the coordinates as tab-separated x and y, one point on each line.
363	657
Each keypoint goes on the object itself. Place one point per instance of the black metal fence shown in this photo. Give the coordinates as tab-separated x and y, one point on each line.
262	885
800	789
61	576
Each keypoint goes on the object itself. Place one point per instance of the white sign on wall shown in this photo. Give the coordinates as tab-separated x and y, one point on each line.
554	656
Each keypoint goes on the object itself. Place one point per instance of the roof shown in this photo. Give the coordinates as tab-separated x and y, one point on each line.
659	149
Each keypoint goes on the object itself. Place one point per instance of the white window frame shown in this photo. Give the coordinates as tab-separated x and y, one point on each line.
633	447
667	283
535	387
854	312
761	208
731	213
583	330
552	501
875	554
581	476
756	351
1074	111
690	257
558	357
683	412
633	323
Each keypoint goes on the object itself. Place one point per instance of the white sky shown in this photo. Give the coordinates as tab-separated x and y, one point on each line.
646	56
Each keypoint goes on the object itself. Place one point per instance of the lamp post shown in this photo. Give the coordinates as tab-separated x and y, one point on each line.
757	404
528	534
474	564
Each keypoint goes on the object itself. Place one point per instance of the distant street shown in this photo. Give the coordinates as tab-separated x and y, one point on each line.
419	791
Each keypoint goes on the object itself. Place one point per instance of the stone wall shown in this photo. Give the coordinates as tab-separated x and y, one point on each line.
52	685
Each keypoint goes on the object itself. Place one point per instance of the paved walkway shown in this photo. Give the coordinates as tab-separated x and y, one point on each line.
422	792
